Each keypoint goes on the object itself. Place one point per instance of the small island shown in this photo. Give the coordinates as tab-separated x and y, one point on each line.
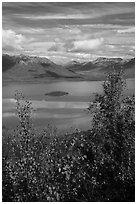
57	93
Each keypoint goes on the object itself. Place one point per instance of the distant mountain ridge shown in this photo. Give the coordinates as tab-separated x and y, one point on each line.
101	61
33	67
102	65
9	61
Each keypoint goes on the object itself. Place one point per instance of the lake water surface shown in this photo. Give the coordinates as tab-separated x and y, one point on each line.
66	112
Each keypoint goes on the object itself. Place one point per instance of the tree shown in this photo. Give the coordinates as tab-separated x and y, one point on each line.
113	132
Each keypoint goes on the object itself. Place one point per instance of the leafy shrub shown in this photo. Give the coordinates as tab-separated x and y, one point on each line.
95	165
24	165
113	135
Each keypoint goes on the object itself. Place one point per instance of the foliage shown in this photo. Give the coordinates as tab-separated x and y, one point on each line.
95	165
113	136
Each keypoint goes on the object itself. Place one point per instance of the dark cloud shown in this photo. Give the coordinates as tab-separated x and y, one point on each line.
117	13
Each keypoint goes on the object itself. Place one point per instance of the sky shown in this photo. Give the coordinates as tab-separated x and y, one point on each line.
66	31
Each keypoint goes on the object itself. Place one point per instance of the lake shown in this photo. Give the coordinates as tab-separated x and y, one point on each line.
65	112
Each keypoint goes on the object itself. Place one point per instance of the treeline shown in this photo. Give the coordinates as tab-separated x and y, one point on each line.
95	165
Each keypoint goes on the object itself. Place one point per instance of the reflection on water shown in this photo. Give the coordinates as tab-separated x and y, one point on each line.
62	111
62	114
38	91
11	104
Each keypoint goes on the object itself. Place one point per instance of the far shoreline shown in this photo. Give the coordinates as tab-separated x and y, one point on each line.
46	81
49	81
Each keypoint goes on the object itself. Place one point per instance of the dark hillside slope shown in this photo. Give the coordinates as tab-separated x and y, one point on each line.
31	68
7	62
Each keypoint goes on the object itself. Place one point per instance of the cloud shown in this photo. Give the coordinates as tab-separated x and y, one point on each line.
58	47
57	16
128	30
87	45
11	40
110	46
32	30
66	31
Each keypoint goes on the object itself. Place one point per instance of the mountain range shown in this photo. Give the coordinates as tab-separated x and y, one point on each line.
33	68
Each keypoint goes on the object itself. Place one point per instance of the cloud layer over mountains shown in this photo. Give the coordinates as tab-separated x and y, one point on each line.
64	31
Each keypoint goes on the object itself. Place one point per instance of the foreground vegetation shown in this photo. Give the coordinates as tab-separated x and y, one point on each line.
95	165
